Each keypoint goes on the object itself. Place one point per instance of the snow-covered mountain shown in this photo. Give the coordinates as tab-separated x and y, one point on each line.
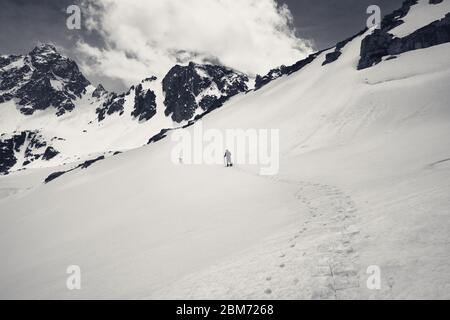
41	79
364	179
44	92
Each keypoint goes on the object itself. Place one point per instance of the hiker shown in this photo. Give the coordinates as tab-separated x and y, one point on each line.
227	157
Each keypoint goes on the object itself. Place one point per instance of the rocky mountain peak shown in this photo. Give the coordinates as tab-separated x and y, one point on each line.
196	88
42	79
44	49
99	91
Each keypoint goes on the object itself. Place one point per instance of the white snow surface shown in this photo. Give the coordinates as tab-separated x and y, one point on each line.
420	15
364	180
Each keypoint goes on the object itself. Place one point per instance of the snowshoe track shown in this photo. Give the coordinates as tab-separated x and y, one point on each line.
335	270
315	259
337	273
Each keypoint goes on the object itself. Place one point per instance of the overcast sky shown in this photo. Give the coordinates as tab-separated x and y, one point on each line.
122	42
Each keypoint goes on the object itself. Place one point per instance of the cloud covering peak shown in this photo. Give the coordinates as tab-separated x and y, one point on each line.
145	38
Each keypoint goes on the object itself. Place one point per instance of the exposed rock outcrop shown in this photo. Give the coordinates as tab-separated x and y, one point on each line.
284	71
144	104
381	43
197	88
40	80
27	145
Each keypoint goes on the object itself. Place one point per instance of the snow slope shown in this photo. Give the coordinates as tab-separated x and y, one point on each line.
364	180
371	170
44	92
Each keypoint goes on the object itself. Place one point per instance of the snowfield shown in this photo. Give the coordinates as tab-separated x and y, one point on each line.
364	181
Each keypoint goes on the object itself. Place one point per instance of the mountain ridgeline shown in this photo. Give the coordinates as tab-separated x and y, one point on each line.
49	92
44	78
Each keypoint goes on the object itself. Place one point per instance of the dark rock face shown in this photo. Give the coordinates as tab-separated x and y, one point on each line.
113	104
144	104
88	163
8	147
381	43
49	153
32	142
149	79
188	88
273	74
84	165
53	176
284	71
159	136
41	79
6	60
99	92
394	19
333	56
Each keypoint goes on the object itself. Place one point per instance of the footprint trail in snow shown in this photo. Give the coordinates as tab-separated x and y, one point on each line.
316	259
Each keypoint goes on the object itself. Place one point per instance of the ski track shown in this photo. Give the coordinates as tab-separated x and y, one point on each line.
289	267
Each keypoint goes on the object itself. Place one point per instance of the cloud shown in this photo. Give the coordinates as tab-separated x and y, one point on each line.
145	38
